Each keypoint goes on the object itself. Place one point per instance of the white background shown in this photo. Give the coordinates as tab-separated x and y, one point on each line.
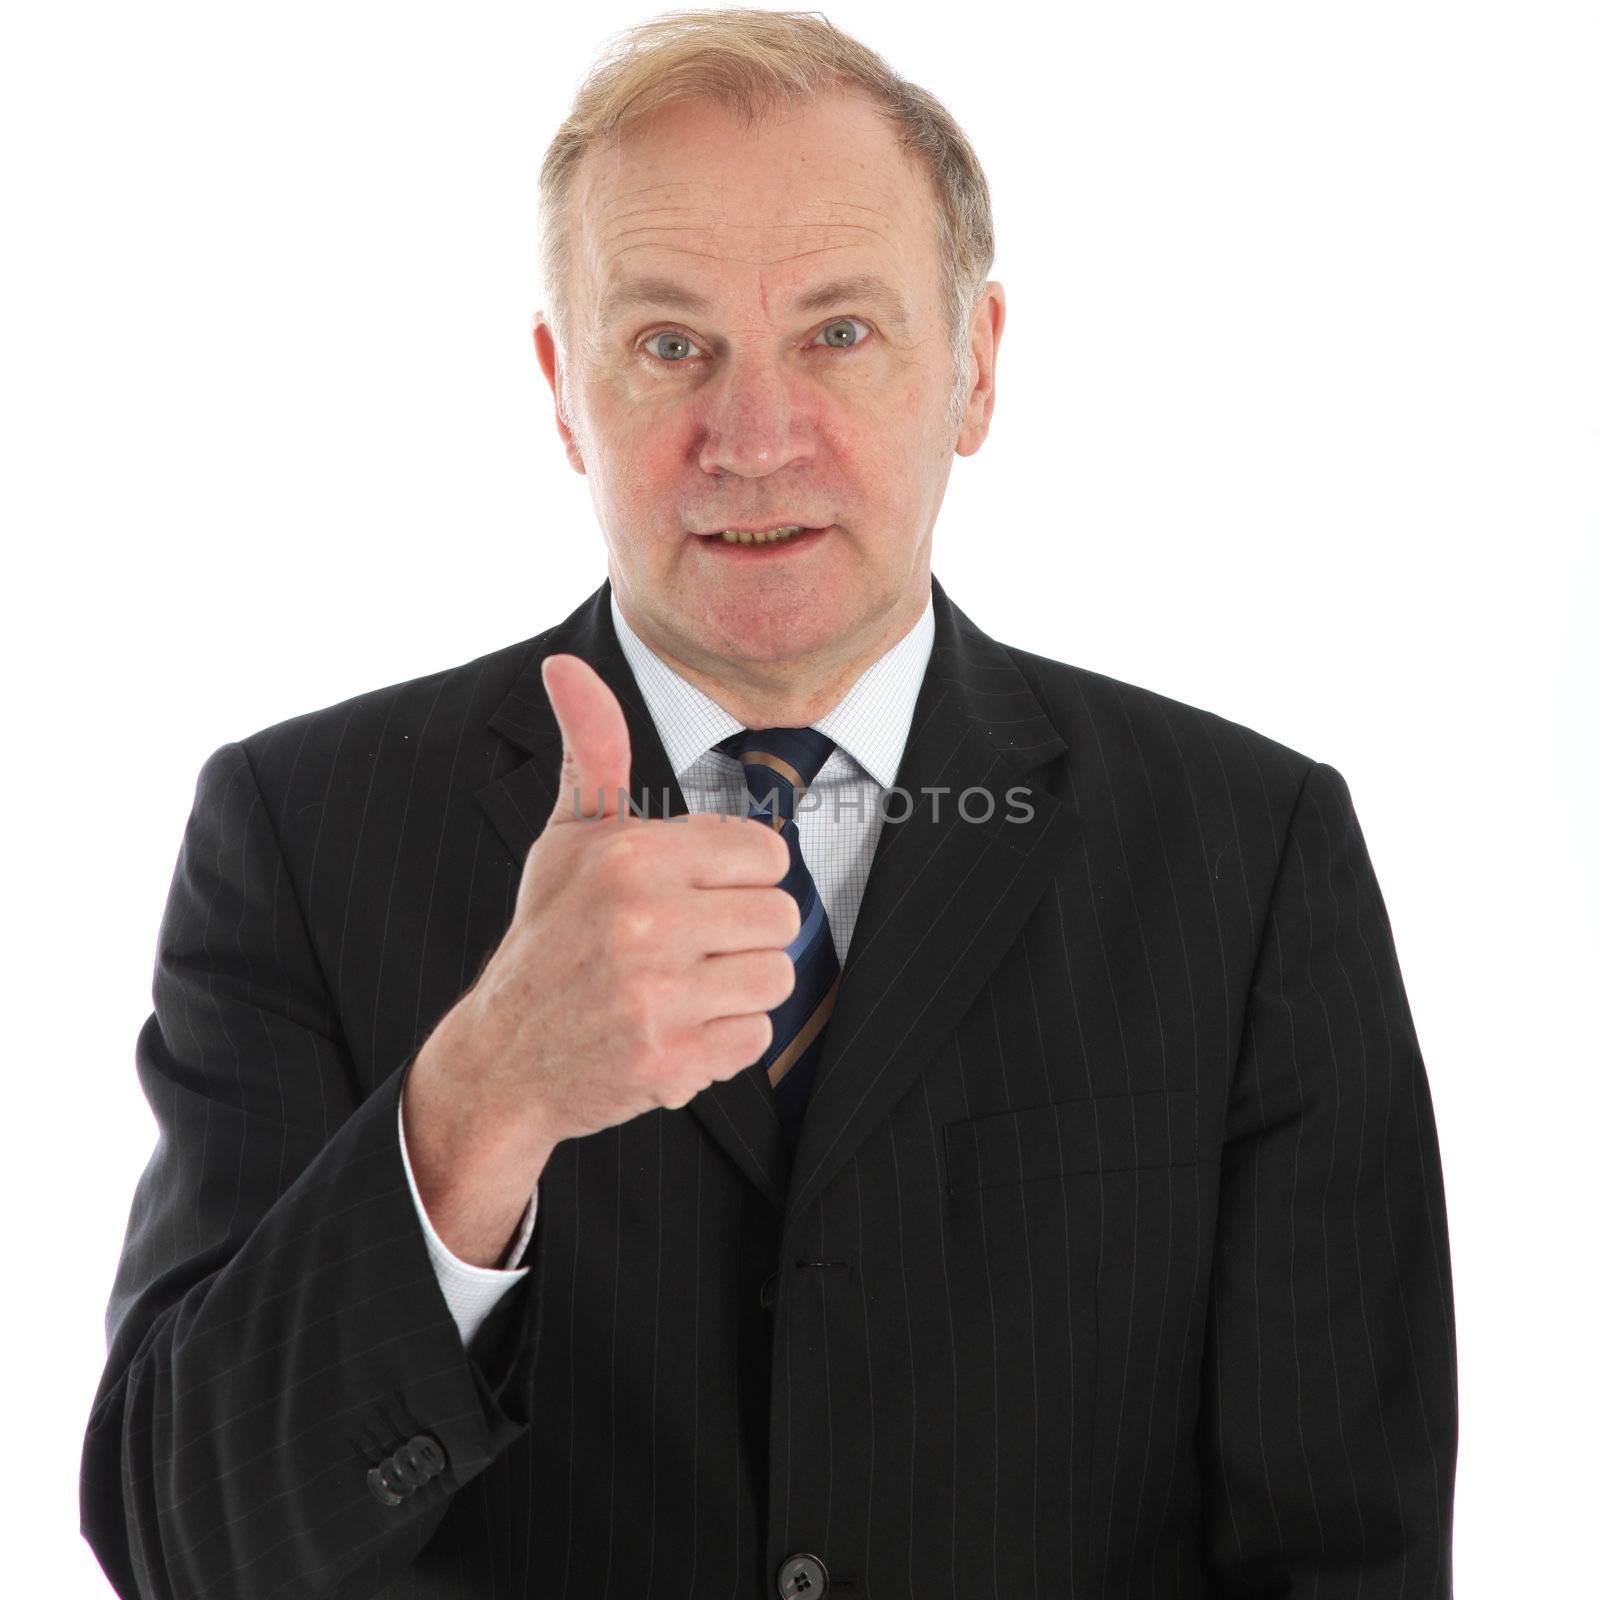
1297	422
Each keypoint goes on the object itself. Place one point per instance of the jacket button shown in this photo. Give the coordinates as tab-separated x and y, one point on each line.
403	1473
418	1460
802	1575
405	1469
381	1490
769	1291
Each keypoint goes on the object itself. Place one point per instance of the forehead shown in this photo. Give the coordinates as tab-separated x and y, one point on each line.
823	189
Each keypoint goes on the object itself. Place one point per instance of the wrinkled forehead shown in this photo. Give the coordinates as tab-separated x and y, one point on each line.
690	180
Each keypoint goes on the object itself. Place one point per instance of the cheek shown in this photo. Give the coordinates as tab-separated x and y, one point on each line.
643	449
880	445
625	406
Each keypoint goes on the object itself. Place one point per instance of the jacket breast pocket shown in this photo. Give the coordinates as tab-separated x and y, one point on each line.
1105	1133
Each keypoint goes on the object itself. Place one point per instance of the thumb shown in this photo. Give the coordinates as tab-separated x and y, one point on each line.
595	750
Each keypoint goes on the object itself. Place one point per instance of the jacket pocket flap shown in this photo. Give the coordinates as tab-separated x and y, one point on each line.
1106	1133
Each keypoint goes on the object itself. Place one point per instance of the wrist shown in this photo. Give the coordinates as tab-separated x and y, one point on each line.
473	1165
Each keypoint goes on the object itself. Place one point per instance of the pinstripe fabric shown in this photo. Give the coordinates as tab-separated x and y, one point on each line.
1112	1260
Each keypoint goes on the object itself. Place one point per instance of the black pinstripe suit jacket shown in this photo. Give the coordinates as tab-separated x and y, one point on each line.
1113	1261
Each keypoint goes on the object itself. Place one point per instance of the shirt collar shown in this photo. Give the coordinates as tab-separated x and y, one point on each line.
870	723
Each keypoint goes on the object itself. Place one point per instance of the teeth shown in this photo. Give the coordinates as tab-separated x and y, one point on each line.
731	537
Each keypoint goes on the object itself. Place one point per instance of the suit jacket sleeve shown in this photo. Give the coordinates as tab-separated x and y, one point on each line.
276	1330
1328	1406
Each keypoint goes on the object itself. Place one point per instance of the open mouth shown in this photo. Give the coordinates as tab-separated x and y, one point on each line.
747	542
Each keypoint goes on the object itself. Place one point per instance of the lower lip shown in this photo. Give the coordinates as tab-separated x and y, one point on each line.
772	550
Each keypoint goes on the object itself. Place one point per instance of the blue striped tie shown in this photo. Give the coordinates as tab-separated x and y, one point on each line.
780	764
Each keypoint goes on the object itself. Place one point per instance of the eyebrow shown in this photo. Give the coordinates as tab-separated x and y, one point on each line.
861	288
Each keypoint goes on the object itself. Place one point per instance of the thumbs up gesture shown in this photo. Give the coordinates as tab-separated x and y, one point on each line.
639	967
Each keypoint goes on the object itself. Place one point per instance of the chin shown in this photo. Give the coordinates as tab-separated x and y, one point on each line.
778	634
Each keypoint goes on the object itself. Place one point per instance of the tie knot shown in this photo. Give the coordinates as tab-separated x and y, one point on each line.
779	763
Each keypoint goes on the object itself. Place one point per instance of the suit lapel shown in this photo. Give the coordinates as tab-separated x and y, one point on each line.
945	897
944	900
519	804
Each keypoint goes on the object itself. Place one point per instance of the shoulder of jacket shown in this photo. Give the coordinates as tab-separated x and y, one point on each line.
458	696
1088	705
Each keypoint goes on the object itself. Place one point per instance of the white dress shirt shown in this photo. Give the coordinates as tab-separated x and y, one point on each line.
838	821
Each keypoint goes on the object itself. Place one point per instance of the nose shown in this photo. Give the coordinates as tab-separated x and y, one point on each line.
756	418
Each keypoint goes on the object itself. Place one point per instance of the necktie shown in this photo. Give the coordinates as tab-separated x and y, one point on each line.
780	764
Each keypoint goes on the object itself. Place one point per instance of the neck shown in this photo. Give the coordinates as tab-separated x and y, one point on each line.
788	694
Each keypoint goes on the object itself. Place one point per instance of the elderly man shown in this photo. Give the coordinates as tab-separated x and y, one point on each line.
762	1088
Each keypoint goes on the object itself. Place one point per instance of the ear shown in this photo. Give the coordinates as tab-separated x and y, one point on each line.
544	345
988	322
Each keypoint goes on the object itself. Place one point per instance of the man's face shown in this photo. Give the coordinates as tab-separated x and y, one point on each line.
768	398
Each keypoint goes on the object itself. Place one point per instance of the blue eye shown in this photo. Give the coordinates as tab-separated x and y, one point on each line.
834	326
679	345
677	338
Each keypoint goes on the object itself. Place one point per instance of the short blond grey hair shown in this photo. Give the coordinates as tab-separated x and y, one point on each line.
749	62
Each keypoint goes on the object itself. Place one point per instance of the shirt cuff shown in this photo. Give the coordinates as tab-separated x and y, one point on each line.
470	1292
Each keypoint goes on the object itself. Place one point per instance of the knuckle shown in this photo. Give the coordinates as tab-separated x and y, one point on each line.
759	1038
767	843
631	928
636	927
620	862
782	970
687	1084
740	1041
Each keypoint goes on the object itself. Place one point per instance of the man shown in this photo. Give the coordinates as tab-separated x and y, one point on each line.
1014	1174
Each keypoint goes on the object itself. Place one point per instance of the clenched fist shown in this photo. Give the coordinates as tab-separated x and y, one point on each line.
639	967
